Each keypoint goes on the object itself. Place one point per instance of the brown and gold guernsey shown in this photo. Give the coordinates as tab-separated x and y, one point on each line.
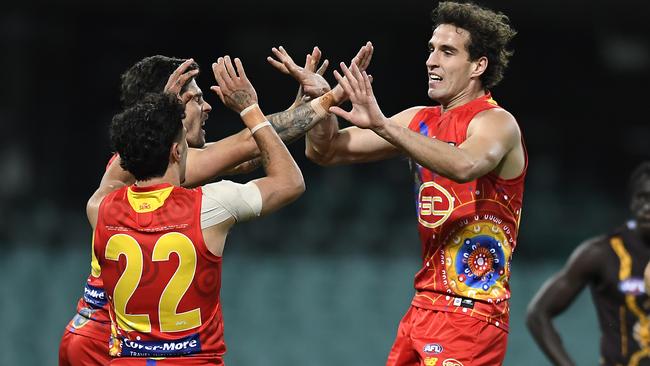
468	230
621	302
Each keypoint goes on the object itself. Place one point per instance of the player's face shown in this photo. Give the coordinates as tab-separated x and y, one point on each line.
196	112
449	68
641	206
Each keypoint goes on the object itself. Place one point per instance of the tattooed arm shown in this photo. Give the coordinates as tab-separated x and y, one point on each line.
283	182
301	117
290	125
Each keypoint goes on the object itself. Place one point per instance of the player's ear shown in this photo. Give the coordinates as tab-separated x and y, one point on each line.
479	66
175	152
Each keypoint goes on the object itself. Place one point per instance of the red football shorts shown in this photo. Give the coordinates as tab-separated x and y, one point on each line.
80	350
184	361
438	338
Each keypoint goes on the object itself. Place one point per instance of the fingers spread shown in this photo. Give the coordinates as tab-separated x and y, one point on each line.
344	83
217	90
323	67
277	65
182	80
368	83
240	69
182	67
229	67
358	79
340	112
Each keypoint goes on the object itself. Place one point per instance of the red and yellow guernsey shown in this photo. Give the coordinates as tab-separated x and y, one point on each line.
93	305
468	230
159	277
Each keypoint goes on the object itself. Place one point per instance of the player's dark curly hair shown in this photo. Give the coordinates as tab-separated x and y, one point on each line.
489	33
639	175
149	75
143	134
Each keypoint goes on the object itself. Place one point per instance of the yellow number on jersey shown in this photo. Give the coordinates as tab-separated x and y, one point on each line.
170	321
124	244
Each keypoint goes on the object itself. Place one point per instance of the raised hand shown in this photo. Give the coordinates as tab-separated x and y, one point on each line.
234	89
365	111
362	60
363	57
178	79
311	80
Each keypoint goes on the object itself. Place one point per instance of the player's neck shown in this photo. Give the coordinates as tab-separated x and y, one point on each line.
465	96
171	176
642	234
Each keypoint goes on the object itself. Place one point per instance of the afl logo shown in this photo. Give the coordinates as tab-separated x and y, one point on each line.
435	205
432	348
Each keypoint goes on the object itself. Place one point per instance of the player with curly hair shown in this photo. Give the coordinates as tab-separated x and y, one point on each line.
158	246
469	163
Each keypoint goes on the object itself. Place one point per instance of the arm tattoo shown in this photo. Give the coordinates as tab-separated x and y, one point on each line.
293	124
265	158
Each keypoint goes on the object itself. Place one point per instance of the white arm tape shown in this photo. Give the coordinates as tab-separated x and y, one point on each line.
225	199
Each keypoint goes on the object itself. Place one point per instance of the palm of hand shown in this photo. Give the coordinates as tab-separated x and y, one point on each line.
365	112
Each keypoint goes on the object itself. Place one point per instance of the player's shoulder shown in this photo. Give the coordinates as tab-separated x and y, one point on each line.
405	117
594	247
220	188
495	115
496	119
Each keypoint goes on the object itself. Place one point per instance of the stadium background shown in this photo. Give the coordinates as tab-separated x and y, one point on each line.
326	280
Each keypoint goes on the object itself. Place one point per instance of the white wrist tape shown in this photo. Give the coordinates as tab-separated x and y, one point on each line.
248	109
261	125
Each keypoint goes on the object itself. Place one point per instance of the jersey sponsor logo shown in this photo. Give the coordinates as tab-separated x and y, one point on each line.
432	348
435	205
632	286
451	362
94	296
430	361
184	346
464	303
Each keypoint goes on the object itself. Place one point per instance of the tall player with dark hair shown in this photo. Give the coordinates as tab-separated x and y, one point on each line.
158	246
469	164
85	340
612	266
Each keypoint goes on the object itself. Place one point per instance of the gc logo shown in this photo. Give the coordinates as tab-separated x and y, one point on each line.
451	362
435	205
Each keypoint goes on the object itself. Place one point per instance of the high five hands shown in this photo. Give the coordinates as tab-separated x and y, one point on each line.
357	85
234	89
311	80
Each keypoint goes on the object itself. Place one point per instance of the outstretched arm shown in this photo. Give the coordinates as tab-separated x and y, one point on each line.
327	145
490	136
239	153
558	293
283	182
